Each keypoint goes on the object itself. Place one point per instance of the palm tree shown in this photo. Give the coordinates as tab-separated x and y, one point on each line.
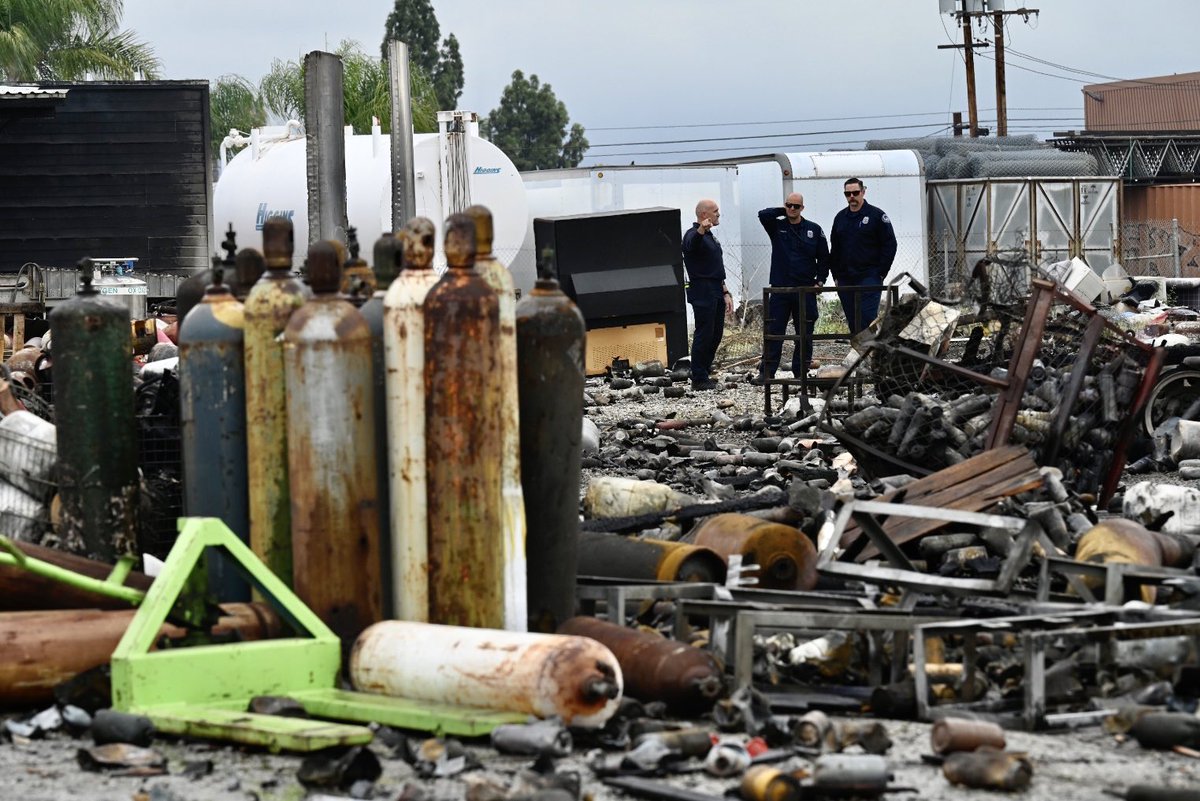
67	39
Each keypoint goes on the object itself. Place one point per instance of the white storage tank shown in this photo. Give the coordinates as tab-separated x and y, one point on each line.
268	179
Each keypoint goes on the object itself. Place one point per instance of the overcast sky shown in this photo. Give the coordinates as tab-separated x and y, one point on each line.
815	72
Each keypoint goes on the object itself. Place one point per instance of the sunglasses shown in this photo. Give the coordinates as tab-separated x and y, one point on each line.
852	192
794	205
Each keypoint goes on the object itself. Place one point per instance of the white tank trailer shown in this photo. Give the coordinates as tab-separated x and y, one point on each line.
269	179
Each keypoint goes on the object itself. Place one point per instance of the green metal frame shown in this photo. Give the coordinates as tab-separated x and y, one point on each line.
113	586
205	690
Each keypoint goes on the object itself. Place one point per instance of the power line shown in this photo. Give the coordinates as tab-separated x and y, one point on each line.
770	122
765	136
743	148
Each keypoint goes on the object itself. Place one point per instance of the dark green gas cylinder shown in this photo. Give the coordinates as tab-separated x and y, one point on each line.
550	347
212	386
97	435
385	257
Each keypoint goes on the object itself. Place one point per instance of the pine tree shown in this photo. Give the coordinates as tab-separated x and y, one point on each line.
530	126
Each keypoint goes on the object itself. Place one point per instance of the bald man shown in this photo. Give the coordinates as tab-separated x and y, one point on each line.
706	291
799	257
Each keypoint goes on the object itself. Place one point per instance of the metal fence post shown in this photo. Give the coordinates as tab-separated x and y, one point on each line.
1175	244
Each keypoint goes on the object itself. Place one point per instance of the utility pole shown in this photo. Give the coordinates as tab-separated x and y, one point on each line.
1001	94
969	58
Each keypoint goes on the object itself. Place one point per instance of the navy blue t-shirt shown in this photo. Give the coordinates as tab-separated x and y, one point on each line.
861	242
702	255
799	252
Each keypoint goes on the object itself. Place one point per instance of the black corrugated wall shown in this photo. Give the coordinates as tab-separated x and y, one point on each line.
121	169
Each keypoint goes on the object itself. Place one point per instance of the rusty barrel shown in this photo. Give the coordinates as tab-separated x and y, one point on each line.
550	377
949	735
463	440
97	437
655	668
512	520
269	306
786	558
331	455
616	556
212	411
575	678
404	356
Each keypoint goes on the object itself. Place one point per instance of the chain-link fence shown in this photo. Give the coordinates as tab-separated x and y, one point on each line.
1161	248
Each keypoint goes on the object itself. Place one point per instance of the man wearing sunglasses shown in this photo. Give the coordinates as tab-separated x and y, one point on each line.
862	248
799	257
706	291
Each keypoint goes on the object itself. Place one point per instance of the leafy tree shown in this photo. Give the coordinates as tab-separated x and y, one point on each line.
234	102
366	87
67	39
414	23
448	74
530	126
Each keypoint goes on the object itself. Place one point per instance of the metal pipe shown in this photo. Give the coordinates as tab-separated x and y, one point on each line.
404	195
324	123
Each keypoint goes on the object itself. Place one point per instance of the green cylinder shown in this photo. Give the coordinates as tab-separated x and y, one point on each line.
268	308
97	434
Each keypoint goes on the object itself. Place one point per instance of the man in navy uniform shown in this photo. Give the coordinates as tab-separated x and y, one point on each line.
799	257
862	248
706	291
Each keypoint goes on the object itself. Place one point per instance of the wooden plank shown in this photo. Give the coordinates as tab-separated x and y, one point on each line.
974	486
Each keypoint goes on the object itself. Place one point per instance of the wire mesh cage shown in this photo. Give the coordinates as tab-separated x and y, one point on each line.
160	461
27	461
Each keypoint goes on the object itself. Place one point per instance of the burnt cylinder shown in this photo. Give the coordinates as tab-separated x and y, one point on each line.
331	455
550	377
97	436
358	282
384	257
987	769
786	558
404	355
655	669
765	783
1122	541
212	413
615	556
949	735
269	306
574	678
512	519
463	440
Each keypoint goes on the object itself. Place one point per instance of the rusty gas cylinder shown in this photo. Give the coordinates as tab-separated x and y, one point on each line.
249	266
851	775
687	743
615	556
575	678
97	437
463	440
385	256
1122	541
786	558
404	355
550	377
331	454
765	783
269	306
212	413
656	669
949	735
988	769
512	521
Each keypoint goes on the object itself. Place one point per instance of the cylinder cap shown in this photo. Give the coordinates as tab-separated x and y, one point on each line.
460	242
483	229
278	243
324	267
385	256
249	266
418	244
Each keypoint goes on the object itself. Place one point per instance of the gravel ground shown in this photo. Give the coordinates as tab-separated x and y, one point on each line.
1068	766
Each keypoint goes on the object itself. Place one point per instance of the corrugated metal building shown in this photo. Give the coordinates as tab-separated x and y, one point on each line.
1161	230
1164	103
